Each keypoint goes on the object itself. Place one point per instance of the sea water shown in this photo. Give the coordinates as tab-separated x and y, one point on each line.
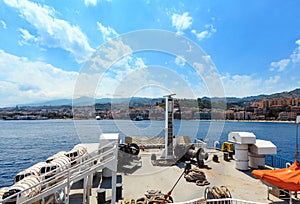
24	143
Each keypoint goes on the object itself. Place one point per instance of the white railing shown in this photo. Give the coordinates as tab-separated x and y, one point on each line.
230	201
218	201
104	158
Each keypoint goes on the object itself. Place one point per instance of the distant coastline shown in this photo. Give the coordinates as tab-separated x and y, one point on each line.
262	121
199	120
281	107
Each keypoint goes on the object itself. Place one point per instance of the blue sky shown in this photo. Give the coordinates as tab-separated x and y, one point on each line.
254	45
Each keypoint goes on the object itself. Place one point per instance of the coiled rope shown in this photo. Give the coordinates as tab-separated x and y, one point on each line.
196	175
217	192
156	198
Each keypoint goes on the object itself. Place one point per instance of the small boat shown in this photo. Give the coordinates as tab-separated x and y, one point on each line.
139	118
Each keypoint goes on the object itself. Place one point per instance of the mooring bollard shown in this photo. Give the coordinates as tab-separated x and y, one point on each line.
119	188
215	158
101	196
226	156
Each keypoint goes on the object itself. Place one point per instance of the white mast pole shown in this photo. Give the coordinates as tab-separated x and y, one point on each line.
166	127
169	127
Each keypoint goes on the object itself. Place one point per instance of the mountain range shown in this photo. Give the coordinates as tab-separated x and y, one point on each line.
85	101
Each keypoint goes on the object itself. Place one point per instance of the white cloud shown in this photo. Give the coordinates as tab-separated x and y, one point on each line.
3	24
281	65
180	61
199	68
107	55
201	35
181	22
251	85
23	81
206	58
295	57
107	32
90	2
241	85
109	65
211	28
93	2
139	63
26	37
272	80
206	33
153	82
53	32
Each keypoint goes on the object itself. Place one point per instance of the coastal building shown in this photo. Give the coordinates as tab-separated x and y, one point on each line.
292	115
283	116
230	114
239	115
295	109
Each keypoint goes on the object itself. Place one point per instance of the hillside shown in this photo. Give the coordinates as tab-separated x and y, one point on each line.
290	94
139	101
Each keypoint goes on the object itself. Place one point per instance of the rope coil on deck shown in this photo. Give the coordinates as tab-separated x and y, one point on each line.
196	175
151	197
217	192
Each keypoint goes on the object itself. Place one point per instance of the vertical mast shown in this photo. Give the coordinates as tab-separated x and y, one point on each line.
169	127
297	142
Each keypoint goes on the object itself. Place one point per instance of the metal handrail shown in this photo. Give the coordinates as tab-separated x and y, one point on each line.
277	161
218	201
68	173
74	178
232	201
70	179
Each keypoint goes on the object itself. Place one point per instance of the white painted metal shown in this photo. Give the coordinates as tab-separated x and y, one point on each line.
256	160
258	151
215	144
242	137
241	156
166	127
66	178
168	153
108	140
263	147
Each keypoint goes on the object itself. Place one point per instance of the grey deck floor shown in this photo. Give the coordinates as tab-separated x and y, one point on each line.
241	184
144	176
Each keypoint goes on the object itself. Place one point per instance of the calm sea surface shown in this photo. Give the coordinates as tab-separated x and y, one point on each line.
24	143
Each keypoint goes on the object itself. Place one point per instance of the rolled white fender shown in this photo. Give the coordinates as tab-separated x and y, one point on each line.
55	156
26	183
33	170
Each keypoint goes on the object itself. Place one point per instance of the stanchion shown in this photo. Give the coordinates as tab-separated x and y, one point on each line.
119	188
101	196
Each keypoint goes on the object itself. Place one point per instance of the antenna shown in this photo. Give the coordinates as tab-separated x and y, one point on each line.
297	144
169	126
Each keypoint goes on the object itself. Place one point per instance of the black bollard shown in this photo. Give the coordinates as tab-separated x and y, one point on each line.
101	196
226	156
215	158
118	191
